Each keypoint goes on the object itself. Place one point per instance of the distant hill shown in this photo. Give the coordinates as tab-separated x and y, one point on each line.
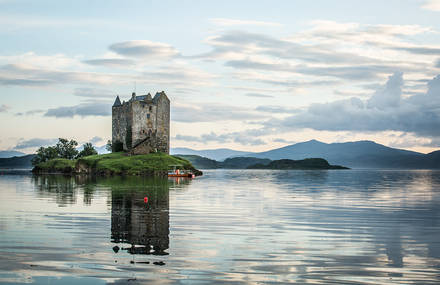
17	162
230	163
360	154
243	162
304	164
216	154
10	153
200	162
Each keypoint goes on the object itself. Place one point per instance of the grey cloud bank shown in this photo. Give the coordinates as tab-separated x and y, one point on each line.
4	108
111	62
385	110
144	48
82	110
236	137
35	142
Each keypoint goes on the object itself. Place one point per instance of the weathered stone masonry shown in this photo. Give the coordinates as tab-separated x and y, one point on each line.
141	125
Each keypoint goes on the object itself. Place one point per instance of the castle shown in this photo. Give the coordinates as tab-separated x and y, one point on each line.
141	125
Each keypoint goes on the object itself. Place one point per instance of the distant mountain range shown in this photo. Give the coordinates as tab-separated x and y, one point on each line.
360	154
17	162
10	153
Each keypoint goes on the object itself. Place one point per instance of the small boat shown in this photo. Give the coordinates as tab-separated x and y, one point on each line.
175	172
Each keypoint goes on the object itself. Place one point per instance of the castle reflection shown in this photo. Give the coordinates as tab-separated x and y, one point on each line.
144	226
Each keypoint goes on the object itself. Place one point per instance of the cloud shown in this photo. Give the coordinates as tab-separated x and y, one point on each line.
211	113
385	110
277	109
276	79
406	140
95	140
349	72
30	113
94	93
35	142
237	137
438	63
259	95
144	48
25	75
352	93
251	64
24	82
329	52
177	76
97	108
245	43
280	140
4	108
389	95
235	22
424	50
110	62
432	5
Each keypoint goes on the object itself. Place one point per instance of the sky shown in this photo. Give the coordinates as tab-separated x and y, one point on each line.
246	75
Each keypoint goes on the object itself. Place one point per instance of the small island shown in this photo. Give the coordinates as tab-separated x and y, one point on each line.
119	163
304	164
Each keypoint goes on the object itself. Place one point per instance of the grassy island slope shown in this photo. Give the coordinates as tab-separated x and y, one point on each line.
115	164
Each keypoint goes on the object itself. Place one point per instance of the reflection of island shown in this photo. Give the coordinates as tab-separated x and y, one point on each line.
145	226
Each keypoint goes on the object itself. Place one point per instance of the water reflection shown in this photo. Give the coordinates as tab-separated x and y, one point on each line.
234	226
142	225
60	187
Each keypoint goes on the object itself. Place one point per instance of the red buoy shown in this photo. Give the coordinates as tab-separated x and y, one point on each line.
145	199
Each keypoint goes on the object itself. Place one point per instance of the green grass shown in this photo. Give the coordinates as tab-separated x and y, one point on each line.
57	165
119	163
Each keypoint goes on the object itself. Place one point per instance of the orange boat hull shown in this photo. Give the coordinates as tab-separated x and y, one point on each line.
182	175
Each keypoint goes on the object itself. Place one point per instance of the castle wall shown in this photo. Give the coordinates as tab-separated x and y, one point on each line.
144	120
163	124
119	124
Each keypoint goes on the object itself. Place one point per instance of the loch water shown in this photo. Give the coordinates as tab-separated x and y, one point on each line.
228	226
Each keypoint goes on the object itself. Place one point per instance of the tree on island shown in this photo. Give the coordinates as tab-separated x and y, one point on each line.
87	150
67	149
63	149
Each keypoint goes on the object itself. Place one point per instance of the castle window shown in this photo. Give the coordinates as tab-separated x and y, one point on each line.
148	115
150	108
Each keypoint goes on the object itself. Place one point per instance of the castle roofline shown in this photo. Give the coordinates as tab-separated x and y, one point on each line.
146	98
117	102
159	95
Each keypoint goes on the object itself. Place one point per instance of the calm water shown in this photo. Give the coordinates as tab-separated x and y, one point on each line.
340	227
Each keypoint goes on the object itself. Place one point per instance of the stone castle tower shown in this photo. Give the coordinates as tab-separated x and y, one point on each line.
141	125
